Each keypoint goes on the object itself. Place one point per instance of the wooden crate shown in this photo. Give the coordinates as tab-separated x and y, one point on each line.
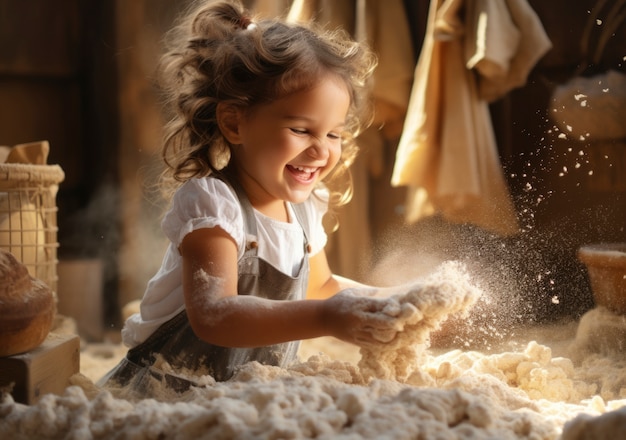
46	369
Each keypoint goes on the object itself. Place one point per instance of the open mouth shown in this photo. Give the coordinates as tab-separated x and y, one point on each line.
303	174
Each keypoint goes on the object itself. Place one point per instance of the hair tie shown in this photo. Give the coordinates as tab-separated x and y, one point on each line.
246	23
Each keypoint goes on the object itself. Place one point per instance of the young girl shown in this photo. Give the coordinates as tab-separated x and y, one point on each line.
263	119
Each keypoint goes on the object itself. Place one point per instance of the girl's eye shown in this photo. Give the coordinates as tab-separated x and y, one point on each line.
302	131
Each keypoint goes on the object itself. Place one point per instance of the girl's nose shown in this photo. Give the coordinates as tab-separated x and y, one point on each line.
318	149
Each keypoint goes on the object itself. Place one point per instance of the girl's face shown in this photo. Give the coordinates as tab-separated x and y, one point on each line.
285	147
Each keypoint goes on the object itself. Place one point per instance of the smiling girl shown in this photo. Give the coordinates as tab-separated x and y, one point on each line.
263	116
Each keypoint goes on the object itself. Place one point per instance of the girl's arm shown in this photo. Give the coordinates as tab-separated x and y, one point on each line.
221	317
323	283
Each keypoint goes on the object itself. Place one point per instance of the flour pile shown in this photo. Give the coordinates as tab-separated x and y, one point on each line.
316	399
522	389
419	309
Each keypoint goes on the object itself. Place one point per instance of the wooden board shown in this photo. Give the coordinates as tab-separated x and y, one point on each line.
46	369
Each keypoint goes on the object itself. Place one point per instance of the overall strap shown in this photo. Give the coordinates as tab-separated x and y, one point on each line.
249	221
246	207
302	218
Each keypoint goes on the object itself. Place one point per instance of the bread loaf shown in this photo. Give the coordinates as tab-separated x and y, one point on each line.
27	307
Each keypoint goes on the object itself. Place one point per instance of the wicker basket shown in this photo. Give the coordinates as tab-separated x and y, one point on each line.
28	217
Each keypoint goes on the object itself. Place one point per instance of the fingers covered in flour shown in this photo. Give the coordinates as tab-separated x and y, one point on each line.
363	320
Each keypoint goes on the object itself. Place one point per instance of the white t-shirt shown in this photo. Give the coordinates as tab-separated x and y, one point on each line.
206	203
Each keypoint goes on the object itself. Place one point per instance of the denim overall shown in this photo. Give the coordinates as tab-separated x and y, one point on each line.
175	342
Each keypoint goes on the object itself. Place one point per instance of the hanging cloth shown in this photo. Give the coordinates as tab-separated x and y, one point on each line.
447	155
505	39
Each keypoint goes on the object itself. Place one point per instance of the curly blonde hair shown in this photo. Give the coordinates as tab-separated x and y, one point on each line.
219	53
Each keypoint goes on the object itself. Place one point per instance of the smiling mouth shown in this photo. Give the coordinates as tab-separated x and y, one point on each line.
305	174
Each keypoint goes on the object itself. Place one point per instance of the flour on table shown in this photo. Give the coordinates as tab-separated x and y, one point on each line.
523	389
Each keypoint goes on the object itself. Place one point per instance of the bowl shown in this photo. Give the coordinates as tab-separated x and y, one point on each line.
606	266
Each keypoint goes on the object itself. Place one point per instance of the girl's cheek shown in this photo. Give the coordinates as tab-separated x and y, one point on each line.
332	164
335	154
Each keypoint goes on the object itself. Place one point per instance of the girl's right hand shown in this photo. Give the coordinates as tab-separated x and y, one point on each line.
361	320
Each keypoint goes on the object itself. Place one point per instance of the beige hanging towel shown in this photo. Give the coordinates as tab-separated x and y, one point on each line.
505	39
447	154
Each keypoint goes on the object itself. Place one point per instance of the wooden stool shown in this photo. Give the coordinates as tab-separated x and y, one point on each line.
46	369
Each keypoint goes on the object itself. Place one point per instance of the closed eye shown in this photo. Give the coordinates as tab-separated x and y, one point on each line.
301	131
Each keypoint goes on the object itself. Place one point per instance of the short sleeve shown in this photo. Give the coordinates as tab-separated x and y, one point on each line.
204	203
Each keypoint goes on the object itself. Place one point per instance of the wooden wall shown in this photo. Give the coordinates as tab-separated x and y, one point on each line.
58	82
78	74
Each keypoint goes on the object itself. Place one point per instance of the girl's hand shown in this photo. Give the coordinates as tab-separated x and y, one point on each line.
361	320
